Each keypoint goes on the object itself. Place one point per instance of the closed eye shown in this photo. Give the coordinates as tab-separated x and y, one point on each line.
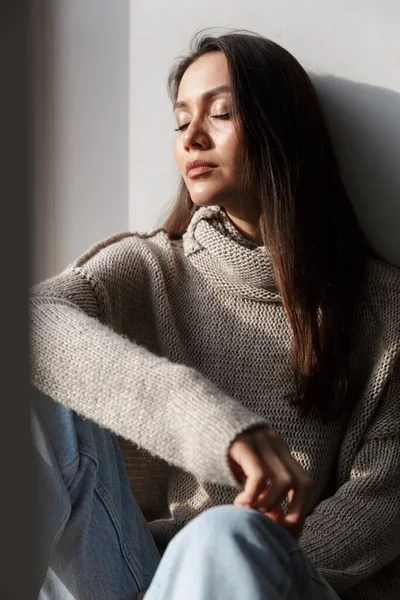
182	127
225	116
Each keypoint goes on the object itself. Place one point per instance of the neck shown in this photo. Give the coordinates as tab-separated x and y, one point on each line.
247	225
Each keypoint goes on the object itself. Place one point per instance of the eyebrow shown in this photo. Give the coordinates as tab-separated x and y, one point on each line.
221	89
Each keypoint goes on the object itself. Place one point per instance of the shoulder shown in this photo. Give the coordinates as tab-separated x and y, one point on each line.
378	311
126	242
129	269
130	251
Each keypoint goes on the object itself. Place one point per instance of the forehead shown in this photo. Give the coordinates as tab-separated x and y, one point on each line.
207	72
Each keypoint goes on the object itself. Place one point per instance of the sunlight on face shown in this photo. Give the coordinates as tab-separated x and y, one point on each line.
208	131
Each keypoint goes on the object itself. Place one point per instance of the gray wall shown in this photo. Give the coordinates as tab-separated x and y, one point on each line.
365	124
81	84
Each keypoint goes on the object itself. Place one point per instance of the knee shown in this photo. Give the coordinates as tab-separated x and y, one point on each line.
238	526
227	521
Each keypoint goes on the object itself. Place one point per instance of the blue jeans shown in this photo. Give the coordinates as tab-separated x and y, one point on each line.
95	542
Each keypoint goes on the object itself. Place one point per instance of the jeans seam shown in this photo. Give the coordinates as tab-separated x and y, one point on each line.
67	469
127	554
88	451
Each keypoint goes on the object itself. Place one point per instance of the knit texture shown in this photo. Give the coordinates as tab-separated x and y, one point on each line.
179	346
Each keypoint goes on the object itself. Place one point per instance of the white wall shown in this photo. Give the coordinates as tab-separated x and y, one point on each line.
81	121
353	47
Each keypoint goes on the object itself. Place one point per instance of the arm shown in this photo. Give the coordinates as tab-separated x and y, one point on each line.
169	409
355	533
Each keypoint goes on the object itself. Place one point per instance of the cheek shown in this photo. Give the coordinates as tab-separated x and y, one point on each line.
178	156
232	155
229	146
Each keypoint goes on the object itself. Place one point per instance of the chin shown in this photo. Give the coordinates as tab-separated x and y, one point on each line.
210	199
201	201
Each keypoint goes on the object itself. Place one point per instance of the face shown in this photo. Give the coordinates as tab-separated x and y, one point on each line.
208	132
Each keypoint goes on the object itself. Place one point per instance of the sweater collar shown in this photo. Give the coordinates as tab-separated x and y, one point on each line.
220	251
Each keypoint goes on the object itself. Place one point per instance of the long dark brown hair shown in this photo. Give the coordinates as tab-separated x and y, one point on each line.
306	219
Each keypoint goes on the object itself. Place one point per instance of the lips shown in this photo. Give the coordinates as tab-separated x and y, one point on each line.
199	166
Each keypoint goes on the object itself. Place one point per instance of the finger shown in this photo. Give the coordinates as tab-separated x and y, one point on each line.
278	516
300	494
280	477
242	500
253	469
262	496
269	467
299	502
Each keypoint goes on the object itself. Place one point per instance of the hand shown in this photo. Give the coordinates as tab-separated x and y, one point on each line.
259	455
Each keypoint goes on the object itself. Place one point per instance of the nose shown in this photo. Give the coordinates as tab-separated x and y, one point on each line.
195	138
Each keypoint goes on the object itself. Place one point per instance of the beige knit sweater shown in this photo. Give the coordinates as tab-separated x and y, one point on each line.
180	346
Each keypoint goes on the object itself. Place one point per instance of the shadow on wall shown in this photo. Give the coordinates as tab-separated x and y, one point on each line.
365	127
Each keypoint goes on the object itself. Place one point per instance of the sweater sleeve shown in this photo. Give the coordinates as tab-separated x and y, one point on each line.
169	409
355	533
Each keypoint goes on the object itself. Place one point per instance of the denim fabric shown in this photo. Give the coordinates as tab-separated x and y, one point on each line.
234	553
95	542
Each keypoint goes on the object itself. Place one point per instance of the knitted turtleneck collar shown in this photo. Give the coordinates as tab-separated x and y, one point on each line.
219	250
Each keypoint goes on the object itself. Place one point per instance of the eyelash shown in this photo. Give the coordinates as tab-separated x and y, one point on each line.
223	117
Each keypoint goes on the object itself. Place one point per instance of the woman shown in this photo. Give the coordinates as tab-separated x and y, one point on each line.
247	348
